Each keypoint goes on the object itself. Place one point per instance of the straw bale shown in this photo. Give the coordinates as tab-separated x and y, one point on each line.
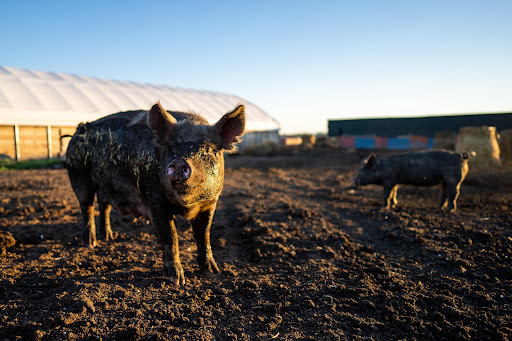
326	141
506	145
291	141
308	140
267	148
444	139
483	141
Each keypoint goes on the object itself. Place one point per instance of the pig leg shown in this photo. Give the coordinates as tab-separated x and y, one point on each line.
444	195
389	195
104	229
453	194
454	189
168	237
201	225
393	193
87	208
453	184
85	191
85	194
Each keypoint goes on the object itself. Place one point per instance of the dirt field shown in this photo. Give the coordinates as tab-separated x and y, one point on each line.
302	257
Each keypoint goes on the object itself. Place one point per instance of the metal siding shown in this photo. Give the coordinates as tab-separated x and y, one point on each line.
424	126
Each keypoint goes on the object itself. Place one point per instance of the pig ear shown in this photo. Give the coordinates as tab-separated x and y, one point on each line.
371	161
230	127
161	122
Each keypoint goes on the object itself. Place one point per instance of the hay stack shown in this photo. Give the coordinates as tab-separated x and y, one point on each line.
267	148
481	140
506	145
308	140
444	139
291	141
323	141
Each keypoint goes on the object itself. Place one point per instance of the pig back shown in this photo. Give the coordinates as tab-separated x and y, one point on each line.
120	157
115	156
120	140
421	168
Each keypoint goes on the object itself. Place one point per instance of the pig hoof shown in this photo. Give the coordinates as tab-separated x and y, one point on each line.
107	234
210	267
111	236
177	281
91	242
175	274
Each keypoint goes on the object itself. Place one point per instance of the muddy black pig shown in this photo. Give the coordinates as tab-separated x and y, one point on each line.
157	165
427	168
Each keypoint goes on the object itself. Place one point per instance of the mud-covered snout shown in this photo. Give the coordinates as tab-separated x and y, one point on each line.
179	170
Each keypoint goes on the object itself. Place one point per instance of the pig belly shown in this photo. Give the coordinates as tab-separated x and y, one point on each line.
420	178
126	200
129	209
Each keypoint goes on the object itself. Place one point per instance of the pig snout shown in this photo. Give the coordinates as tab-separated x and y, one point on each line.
179	170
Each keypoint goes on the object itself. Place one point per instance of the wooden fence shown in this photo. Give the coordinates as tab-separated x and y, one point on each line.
33	142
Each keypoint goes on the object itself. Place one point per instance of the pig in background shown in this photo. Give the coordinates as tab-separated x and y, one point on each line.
426	168
158	165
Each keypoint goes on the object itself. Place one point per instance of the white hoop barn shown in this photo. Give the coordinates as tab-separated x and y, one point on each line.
37	108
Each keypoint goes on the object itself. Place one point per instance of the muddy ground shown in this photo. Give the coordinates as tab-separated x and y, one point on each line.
302	257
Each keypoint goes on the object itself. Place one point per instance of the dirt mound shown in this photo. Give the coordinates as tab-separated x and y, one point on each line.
303	256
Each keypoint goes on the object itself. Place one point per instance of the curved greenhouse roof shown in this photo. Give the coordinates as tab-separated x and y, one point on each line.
30	97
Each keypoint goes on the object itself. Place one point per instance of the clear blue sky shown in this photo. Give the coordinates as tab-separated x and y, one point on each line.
303	62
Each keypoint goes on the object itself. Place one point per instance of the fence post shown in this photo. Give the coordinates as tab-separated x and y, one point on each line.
49	141
17	155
